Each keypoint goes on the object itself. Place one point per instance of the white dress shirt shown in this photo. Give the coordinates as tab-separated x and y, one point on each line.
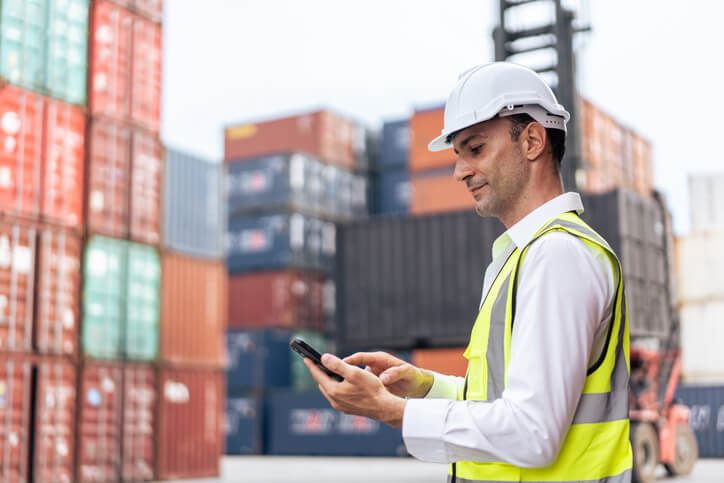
565	297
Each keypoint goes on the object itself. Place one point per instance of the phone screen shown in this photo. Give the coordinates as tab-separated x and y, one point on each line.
305	350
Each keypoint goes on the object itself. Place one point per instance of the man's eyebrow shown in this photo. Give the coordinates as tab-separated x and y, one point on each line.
468	139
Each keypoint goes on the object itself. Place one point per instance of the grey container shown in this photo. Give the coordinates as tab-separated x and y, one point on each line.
395	145
707	417
194	220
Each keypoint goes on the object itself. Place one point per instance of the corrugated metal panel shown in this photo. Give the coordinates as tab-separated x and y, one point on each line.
444	361
438	191
194	206
289	298
395	145
58	291
244	424
707	417
424	127
150	9
66	65
258	359
17	285
700	267
143	303
21	162
193	314
54	425
702	330
146	74
15	413
146	188
706	202
23	28
303	423
190	433
139	414
393	192
99	428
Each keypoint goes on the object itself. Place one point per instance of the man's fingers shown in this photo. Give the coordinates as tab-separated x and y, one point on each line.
335	364
391	375
360	359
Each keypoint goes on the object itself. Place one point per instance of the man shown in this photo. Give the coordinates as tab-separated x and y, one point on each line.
545	397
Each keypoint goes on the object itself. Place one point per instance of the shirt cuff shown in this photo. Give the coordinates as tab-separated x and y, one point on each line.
423	424
444	387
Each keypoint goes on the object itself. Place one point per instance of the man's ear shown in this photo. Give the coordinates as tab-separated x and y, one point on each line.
534	137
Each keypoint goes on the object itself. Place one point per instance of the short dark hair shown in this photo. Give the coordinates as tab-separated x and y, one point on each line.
556	137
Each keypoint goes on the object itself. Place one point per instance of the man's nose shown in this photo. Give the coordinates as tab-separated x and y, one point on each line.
462	170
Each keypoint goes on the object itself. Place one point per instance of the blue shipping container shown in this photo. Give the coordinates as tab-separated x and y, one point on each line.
258	359
244	424
395	146
707	417
303	423
194	221
393	192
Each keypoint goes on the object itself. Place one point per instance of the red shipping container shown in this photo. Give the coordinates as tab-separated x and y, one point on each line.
99	428
21	151
108	178
146	188
321	133
17	285
438	192
286	298
139	405
190	423
63	169
58	292
54	450
151	9
444	361
424	127
193	310
146	74
15	412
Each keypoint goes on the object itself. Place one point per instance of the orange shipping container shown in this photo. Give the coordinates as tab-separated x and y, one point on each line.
438	192
322	133
445	361
424	127
193	310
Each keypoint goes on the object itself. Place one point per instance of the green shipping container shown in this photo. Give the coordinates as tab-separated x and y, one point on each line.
121	300
302	380
43	46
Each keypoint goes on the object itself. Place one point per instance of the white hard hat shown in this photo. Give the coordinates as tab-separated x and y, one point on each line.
499	88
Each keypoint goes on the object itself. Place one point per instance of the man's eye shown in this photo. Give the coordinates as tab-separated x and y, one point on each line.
476	149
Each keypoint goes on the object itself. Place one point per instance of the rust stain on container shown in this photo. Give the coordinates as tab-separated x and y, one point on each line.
55	399
146	191
424	127
58	291
445	361
193	310
15	412
438	192
190	423
288	298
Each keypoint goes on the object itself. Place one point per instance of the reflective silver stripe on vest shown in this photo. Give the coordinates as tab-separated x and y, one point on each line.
495	353
624	477
579	228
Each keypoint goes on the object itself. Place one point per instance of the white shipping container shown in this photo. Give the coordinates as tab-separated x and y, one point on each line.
706	202
700	267
702	337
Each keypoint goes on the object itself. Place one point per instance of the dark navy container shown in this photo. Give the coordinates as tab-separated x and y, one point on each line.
258	359
393	192
244	423
395	145
707	417
303	423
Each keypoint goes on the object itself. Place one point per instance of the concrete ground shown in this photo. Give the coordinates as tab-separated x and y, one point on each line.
313	469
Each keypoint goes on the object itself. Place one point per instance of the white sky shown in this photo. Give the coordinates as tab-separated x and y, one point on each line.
655	65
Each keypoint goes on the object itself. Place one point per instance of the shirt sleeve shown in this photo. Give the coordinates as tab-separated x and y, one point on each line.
445	387
563	296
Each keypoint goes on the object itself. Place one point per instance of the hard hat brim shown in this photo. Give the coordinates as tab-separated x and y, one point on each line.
439	143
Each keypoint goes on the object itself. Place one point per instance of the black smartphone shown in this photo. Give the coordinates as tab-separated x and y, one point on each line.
306	350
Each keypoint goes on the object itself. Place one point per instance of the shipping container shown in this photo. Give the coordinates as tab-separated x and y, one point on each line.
63	168
54	424
194	206
707	417
702	330
109	178
258	359
706	202
444	361
334	139
143	303
303	423
58	291
395	145
285	298
16	372
438	191
21	159
150	9
244	423
190	426
100	422
146	59
18	256
700	267
392	192
146	188
23	46
302	379
67	44
193	314
139	417
426	125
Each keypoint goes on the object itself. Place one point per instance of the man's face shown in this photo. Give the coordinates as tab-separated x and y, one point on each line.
491	165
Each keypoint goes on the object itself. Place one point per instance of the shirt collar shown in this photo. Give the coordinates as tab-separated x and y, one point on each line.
523	232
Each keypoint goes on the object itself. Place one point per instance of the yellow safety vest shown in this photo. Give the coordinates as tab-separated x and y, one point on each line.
596	447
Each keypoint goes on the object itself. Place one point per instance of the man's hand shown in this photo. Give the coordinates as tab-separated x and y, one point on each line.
399	377
361	392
